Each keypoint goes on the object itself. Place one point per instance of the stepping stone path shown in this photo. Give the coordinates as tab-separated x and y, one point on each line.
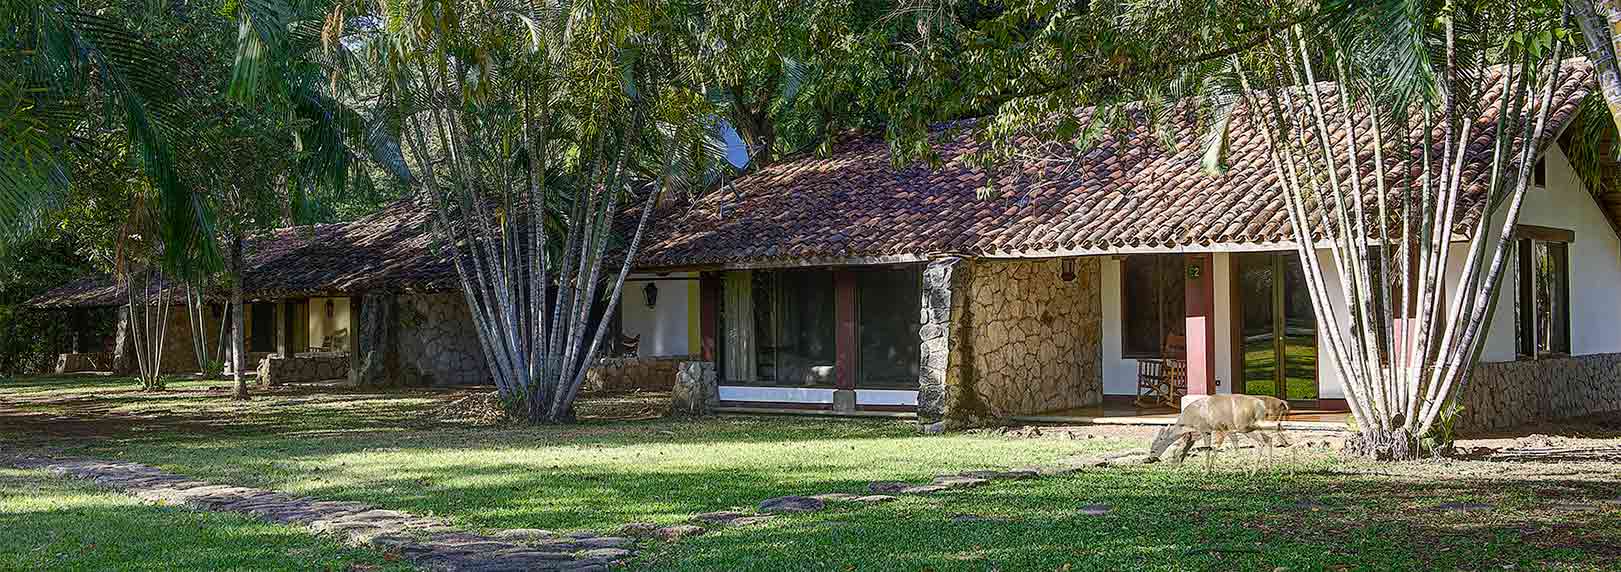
782	505
434	544
1096	509
427	542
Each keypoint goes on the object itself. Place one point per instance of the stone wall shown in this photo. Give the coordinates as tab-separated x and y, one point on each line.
92	361
695	391
303	368
438	341
1017	339
178	354
1505	395
626	374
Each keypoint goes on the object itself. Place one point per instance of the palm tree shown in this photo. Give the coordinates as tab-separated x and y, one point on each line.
73	67
526	128
1390	229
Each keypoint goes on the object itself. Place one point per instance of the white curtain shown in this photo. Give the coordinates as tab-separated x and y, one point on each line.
739	308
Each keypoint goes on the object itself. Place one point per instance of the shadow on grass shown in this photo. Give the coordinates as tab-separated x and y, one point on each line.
1179	520
53	524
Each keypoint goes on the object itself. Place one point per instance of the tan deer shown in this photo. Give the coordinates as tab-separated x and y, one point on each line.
1218	415
1276	411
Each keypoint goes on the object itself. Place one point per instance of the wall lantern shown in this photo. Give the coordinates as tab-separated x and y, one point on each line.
1066	269
329	310
652	292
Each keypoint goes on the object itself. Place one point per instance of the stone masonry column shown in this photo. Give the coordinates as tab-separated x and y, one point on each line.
944	284
1200	290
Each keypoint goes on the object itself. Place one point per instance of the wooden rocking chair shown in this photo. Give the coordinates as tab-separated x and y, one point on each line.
630	346
1163	381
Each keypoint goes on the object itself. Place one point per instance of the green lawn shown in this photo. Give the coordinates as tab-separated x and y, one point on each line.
386	449
56	524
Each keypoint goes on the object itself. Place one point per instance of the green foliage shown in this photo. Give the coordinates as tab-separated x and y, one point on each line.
30	338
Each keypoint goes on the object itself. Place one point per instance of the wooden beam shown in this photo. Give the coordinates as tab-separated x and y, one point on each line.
847	350
1544	233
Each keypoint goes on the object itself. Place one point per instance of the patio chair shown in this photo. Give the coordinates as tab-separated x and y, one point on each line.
629	346
1161	382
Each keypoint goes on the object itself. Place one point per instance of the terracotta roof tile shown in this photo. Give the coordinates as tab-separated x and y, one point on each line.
856	203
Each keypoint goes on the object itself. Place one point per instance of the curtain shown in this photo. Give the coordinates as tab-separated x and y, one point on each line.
739	326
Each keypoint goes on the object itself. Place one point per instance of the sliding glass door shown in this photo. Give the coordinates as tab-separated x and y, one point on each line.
1278	331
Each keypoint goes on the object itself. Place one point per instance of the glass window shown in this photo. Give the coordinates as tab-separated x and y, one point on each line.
888	313
780	328
262	333
1542	314
1152	299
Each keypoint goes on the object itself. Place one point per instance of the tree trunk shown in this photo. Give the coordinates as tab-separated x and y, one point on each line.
238	340
1599	20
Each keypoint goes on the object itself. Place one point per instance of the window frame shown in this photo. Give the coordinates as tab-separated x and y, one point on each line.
1527	322
1129	297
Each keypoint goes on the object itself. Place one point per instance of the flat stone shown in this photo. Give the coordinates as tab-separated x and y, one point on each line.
923	489
718	517
604	553
959	482
886	487
1096	509
791	504
679	531
874	499
603	542
525	534
749	520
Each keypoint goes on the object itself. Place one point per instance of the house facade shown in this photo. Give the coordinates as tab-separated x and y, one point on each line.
845	285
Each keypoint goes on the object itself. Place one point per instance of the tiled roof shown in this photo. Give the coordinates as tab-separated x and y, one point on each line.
1127	193
389	250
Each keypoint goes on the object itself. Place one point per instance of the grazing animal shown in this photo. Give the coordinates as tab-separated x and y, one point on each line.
1214	415
1276	411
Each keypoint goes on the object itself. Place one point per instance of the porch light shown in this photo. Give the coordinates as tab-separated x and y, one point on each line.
652	292
329	310
1066	269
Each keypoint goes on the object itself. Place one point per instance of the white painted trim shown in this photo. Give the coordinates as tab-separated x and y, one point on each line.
886	397
778	394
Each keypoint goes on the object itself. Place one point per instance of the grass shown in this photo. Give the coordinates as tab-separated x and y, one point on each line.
56	524
1300	363
596	476
1173	520
388	449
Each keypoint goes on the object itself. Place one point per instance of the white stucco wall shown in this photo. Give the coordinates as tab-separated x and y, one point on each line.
1595	274
665	327
1120	373
1595	260
320	326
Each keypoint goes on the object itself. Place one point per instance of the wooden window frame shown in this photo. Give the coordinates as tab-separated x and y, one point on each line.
1527	344
1156	296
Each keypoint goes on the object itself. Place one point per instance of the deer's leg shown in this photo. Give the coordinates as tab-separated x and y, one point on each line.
1209	455
1186	444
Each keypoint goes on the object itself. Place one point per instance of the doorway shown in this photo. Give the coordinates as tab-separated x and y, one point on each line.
1277	341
